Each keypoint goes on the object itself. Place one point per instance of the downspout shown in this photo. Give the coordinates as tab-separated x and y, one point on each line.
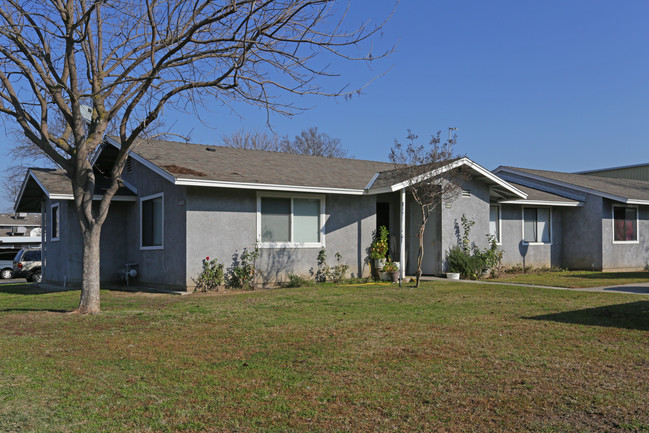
402	236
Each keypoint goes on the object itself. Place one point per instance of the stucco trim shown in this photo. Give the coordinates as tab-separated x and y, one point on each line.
637	225
291	244
523	225
149	197
58	222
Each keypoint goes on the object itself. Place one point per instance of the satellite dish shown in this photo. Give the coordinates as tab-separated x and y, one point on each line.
86	113
35	233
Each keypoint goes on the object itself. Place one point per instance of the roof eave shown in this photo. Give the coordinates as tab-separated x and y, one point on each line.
455	164
543	203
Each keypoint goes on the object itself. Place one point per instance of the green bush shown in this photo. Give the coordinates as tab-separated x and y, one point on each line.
326	272
471	262
211	276
296	281
241	275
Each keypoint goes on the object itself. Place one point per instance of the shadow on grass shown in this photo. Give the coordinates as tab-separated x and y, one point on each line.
25	310
634	315
31	289
610	276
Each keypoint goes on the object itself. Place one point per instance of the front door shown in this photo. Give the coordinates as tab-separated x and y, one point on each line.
432	263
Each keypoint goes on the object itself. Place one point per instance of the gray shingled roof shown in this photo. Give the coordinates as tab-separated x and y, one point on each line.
10	219
538	195
227	164
624	188
55	182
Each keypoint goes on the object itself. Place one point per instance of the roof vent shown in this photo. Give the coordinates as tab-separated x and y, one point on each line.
466	193
210	149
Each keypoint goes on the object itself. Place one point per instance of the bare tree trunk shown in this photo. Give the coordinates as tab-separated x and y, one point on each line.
420	253
90	283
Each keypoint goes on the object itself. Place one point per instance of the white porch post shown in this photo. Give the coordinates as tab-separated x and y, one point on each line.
402	235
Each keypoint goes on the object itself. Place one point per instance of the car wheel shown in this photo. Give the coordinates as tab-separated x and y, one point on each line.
36	277
5	274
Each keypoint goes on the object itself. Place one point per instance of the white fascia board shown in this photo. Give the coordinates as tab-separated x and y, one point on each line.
543	203
20	239
148	164
462	161
640	202
268	187
94	197
567	185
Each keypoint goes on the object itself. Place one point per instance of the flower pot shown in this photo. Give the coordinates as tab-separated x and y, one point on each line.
379	263
453	275
395	276
385	276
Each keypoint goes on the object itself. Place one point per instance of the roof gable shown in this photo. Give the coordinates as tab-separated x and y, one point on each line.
623	190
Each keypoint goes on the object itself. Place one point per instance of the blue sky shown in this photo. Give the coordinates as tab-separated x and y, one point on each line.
556	85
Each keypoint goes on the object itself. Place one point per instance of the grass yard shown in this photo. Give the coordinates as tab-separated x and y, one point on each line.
445	357
576	279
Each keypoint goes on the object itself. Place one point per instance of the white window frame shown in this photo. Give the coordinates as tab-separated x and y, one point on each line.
150	197
523	225
290	243
499	239
637	224
58	222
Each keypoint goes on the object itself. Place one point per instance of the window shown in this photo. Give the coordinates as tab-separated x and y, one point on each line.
151	222
494	222
290	221
536	225
625	224
55	224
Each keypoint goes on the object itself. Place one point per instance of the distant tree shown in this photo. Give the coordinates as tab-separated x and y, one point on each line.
257	140
70	68
430	181
311	142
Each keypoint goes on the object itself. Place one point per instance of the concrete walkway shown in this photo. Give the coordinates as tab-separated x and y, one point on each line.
633	289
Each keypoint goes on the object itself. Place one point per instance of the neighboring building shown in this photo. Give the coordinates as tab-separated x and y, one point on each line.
632	172
183	202
19	230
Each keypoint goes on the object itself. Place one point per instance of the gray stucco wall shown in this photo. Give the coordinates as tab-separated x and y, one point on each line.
165	266
64	257
475	208
624	255
515	252
582	234
222	221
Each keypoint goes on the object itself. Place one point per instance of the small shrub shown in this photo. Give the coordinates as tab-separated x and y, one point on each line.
390	266
241	275
471	262
211	276
326	272
296	281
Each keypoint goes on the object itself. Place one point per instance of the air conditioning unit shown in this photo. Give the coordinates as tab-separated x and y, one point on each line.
19	230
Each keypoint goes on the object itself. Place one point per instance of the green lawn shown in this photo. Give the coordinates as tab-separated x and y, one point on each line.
576	279
445	357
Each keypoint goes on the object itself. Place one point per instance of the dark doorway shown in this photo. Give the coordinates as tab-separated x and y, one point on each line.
382	215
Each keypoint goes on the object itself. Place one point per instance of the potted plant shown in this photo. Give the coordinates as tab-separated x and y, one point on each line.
392	269
379	247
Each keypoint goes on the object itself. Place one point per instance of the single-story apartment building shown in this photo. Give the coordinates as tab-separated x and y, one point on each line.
182	202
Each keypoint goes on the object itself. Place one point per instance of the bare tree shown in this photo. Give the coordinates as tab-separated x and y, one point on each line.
430	177
311	142
129	60
258	140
